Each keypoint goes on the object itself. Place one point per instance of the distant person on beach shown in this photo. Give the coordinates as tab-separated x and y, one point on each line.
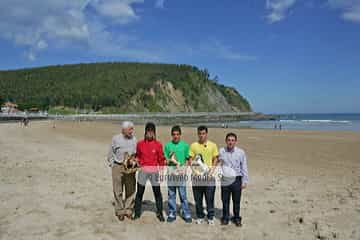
177	155
280	127
25	121
235	178
123	145
209	151
150	155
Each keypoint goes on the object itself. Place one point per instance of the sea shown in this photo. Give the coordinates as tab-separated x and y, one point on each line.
312	122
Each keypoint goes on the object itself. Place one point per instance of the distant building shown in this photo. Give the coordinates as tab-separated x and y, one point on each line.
9	107
34	110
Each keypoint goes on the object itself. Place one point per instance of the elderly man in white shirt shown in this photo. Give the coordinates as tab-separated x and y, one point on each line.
123	145
235	178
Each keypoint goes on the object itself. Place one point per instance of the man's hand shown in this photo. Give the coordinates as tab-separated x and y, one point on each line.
188	161
212	171
243	186
173	160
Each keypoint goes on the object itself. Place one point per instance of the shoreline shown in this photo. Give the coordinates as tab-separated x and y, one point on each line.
159	117
192	125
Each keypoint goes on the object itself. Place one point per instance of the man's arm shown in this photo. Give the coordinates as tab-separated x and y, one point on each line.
221	157
166	154
187	154
215	159
244	170
110	155
161	157
215	155
138	153
191	154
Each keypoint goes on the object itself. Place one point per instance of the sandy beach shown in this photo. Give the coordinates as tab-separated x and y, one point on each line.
54	185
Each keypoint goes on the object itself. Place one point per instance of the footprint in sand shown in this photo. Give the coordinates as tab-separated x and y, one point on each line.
64	229
38	212
76	207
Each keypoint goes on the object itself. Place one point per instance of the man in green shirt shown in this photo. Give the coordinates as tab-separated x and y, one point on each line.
177	154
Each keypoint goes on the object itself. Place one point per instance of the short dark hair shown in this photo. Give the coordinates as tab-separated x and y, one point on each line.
176	128
202	128
231	134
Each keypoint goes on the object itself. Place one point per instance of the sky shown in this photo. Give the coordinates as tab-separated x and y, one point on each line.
284	56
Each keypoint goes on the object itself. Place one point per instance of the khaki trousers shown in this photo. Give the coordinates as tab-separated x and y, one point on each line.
120	180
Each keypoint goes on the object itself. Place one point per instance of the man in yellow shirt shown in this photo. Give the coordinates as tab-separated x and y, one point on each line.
209	153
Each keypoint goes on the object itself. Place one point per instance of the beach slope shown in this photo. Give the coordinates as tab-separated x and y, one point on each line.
54	185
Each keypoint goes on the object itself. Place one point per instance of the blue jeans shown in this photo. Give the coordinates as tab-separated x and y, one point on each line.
183	199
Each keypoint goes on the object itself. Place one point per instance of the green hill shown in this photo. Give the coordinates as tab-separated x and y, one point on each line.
120	88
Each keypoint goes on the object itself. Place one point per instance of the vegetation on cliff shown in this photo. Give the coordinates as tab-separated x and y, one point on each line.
119	88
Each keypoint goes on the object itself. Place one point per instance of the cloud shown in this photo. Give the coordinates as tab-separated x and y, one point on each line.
94	25
30	56
159	3
278	9
108	44
38	25
118	11
41	45
350	9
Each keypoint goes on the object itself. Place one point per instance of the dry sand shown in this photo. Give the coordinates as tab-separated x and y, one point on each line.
54	185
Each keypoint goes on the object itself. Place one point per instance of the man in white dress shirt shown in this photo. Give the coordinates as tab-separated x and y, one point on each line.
235	178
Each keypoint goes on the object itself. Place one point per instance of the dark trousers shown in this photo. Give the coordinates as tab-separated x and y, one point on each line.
233	190
143	177
209	193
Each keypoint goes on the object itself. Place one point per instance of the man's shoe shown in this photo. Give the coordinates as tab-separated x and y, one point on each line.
188	220
160	216
135	217
224	222
199	221
170	219
211	221
238	223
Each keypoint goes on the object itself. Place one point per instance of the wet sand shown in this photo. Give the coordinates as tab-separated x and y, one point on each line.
54	185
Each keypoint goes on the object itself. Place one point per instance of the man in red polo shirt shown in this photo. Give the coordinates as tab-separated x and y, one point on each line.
149	153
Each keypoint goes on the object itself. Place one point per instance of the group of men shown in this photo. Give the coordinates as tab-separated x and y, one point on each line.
152	158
